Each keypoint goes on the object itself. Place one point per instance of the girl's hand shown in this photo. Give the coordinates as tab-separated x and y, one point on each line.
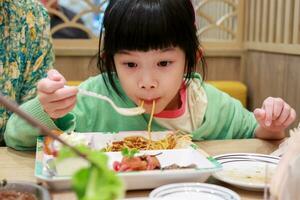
55	99
275	115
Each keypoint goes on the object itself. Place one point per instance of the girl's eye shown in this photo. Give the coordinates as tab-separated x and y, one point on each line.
131	65
164	63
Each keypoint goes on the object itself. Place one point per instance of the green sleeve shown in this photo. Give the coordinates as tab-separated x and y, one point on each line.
225	118
22	136
89	115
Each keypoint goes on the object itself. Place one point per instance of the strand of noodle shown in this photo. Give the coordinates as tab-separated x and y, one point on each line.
150	123
142	104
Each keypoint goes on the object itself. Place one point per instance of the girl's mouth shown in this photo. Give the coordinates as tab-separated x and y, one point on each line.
150	102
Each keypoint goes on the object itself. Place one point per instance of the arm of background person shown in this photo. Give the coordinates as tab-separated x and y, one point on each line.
40	56
28	52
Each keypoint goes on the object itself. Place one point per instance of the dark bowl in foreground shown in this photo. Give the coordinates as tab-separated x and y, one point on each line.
15	188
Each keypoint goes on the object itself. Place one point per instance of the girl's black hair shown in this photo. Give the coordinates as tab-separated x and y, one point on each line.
144	25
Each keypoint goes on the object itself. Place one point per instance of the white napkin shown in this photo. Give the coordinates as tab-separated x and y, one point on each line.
284	145
285	183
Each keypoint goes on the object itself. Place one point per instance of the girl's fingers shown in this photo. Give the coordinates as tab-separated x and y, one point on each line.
291	118
278	108
268	107
53	82
61	104
58	102
286	111
62	112
49	86
259	114
54	75
58	95
275	114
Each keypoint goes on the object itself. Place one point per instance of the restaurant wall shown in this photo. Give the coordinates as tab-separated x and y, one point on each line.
224	68
272	74
76	68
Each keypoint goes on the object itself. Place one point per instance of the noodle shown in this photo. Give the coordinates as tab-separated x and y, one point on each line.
142	143
142	104
150	122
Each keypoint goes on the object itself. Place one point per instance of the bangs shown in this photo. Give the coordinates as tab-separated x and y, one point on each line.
145	25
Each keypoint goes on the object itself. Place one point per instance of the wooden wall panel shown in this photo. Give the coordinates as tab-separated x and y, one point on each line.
264	76
76	67
223	68
273	26
270	74
292	86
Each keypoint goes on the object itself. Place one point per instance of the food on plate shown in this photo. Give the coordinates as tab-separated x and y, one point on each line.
117	142
131	162
48	142
171	141
175	166
12	194
7	193
137	163
51	146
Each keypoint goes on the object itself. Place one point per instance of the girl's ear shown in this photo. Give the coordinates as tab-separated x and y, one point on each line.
103	55
199	54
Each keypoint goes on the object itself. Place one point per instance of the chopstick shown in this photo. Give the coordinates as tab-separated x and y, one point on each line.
12	106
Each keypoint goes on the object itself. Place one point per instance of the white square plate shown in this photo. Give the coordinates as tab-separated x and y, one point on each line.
137	179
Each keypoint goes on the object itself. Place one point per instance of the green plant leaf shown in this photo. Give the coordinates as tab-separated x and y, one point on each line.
96	182
129	152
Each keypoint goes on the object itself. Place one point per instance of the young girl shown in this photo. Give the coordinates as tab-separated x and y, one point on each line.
150	53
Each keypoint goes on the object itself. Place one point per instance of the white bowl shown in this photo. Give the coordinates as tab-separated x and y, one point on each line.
193	191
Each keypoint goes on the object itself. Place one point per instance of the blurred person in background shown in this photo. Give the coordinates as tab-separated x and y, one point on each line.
71	33
26	51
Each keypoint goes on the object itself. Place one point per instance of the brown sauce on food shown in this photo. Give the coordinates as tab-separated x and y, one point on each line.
14	195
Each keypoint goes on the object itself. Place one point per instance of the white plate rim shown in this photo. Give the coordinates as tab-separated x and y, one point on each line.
233	195
217	157
255	156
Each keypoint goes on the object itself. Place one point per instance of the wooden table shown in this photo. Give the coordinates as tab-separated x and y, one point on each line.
15	165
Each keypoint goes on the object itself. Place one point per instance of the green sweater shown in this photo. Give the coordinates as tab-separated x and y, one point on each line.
225	117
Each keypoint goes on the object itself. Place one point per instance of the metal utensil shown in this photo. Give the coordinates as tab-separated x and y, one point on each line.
123	111
51	168
3	183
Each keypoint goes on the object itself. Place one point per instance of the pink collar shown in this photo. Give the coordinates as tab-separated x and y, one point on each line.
178	112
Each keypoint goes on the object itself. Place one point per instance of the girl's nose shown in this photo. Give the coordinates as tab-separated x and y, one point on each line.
148	84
